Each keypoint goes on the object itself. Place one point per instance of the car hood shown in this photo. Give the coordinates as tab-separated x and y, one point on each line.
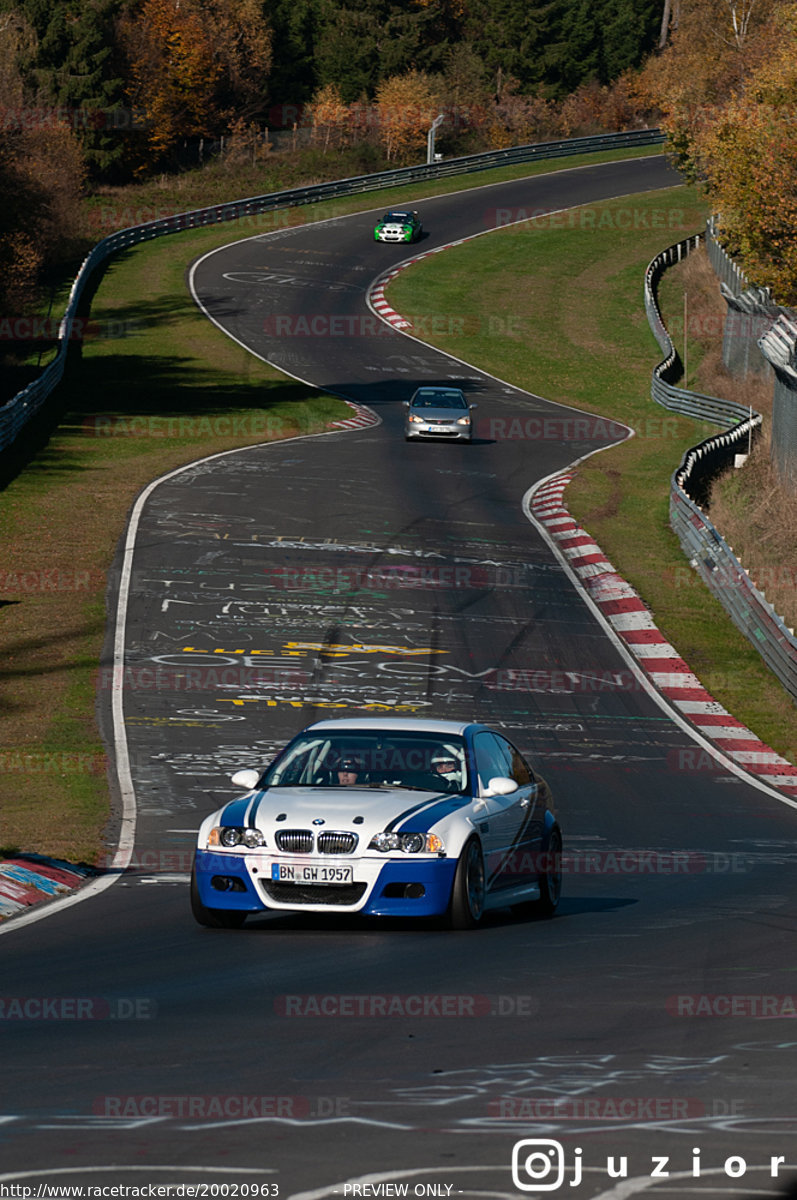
364	811
438	414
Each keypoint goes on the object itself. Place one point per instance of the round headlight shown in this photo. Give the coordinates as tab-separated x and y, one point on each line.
385	842
253	838
412	843
231	836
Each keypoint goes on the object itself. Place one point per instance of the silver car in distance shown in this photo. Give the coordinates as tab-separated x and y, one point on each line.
438	412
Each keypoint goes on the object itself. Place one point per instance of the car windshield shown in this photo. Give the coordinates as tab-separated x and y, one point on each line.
365	759
448	398
397	216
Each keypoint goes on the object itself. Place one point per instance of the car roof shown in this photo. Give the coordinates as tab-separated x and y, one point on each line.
394	725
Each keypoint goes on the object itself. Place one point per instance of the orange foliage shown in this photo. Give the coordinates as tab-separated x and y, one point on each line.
406	106
330	116
172	70
728	91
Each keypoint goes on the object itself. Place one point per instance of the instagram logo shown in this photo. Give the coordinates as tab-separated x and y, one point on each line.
538	1165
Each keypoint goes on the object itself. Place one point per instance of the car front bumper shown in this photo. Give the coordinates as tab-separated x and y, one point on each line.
385	887
451	433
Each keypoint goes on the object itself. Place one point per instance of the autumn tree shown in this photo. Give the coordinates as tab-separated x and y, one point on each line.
172	71
406	106
41	179
195	65
242	40
747	153
329	116
710	54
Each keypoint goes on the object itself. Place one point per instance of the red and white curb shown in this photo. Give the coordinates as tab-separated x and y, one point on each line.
634	625
376	295
28	880
363	420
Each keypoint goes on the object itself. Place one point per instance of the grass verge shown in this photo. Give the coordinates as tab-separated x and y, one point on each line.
165	389
556	307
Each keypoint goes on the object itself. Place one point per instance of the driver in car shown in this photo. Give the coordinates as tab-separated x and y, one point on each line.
348	772
447	768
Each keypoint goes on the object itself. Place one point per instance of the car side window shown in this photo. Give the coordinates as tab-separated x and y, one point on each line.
493	757
520	771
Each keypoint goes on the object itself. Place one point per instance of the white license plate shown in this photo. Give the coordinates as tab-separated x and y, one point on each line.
311	873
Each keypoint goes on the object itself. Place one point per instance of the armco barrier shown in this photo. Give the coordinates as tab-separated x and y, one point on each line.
705	548
18	411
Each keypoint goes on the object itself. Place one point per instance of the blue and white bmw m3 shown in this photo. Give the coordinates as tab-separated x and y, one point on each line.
394	817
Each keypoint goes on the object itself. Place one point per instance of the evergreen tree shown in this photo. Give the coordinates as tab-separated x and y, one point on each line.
76	72
511	39
294	74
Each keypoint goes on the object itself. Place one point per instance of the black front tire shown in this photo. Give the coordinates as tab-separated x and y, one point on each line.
467	895
550	879
213	918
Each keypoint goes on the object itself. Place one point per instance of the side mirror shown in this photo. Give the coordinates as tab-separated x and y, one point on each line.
473	406
501	786
247	778
406	403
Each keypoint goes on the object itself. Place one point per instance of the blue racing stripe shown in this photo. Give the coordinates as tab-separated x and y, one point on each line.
408	812
422	821
234	813
252	822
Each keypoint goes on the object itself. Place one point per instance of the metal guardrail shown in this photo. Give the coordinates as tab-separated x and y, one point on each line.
663	391
722	264
16	414
705	548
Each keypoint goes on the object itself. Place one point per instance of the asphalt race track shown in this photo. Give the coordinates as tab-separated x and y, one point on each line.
642	1036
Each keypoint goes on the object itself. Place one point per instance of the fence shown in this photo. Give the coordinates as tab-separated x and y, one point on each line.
779	347
705	548
16	414
760	335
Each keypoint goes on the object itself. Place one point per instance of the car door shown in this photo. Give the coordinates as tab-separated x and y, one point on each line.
504	827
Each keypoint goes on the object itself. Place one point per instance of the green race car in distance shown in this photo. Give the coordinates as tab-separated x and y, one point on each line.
398	226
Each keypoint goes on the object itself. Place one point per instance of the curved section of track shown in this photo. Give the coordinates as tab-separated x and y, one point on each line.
355	573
